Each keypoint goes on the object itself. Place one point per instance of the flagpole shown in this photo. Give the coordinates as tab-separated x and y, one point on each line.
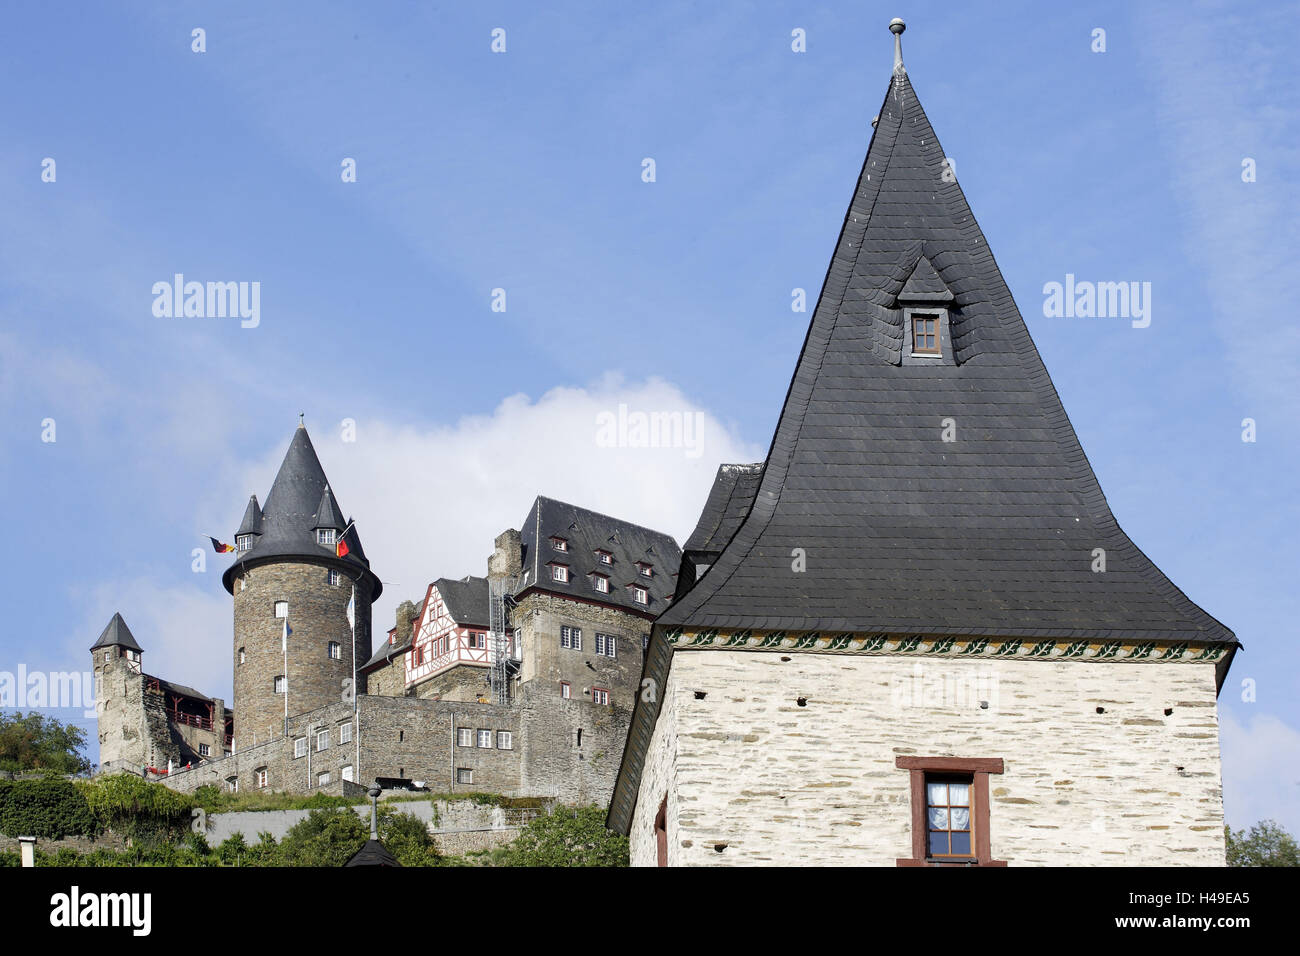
352	623
284	640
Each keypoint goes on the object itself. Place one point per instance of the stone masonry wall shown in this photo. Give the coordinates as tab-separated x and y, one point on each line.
317	616
746	768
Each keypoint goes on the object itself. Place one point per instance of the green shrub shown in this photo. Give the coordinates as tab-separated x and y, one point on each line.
139	810
567	836
326	838
407	837
47	808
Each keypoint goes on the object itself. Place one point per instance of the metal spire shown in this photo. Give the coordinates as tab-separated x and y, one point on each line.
896	27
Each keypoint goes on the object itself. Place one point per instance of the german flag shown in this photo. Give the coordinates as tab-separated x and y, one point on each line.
341	547
219	547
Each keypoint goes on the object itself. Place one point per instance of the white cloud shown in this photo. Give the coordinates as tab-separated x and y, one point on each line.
1260	776
429	500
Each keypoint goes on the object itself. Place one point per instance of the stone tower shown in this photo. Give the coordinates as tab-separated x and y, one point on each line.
289	566
124	742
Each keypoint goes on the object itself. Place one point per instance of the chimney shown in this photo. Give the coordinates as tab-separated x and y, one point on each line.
507	559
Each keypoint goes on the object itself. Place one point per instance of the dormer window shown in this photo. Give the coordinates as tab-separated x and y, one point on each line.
600	583
560	573
645	570
604	557
925	334
325	535
559	544
640	595
243	542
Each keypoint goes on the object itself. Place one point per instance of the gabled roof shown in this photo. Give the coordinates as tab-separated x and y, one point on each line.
292	514
585	533
117	634
733	492
993	533
466	599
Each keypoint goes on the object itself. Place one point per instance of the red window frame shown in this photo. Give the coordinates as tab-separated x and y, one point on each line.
978	769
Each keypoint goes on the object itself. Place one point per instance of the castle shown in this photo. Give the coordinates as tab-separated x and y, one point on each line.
520	683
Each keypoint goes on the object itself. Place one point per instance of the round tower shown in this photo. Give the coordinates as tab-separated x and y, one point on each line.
296	566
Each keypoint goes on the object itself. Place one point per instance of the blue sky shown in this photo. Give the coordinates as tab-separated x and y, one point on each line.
522	171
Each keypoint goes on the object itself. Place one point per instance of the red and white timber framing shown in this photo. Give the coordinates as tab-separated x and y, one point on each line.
442	642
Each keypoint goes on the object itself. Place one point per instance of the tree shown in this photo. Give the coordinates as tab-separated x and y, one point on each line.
1267	844
568	836
37	742
326	838
407	837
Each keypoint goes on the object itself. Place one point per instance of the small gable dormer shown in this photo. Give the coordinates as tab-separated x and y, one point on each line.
250	529
329	521
925	302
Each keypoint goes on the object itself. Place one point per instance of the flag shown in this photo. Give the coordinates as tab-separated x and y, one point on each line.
341	548
352	610
219	547
284	636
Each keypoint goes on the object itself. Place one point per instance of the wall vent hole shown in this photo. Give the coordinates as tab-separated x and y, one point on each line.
700	695
785	660
719	847
1101	710
801	701
1169	711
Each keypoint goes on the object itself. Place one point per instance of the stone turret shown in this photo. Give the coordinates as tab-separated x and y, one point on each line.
296	562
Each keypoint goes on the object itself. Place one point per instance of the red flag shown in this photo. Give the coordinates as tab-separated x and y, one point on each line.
341	548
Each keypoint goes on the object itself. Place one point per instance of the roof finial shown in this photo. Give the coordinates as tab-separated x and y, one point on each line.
896	27
300	424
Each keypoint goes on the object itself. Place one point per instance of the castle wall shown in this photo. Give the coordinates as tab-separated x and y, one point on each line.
132	721
317	616
748	769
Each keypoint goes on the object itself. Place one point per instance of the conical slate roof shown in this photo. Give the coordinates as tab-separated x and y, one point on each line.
993	533
252	523
291	516
117	634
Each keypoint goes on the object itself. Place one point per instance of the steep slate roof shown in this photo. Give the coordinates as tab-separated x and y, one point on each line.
733	492
991	534
466	599
299	503
586	532
117	634
903	533
373	853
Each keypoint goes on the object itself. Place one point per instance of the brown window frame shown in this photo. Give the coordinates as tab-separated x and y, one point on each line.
926	317
978	769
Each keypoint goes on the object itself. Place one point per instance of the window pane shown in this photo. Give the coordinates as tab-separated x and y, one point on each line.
959	794
938	843
938	819
960	818
937	794
961	843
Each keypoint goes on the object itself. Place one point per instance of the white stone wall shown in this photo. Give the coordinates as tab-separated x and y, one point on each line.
748	769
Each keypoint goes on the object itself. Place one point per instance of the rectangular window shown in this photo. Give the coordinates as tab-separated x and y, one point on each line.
645	570
261	778
559	544
559	573
464	775
477	641
335	652
645	641
566	691
640	595
335	578
243	542
204	750
600	583
925	334
347	773
299	747
599	695
322	741
950	810
485	739
323	779
464	737
281	608
505	740
605	645
345	733
571	637
325	535
278	684
232	784
605	557
242	656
